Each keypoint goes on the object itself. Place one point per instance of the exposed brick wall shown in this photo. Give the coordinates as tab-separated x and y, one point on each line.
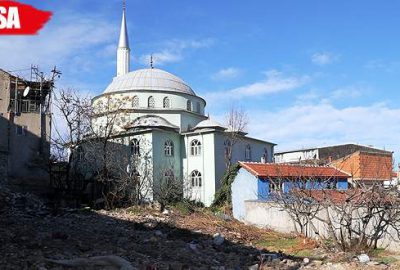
366	166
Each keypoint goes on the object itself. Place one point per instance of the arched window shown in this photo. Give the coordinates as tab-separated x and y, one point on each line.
195	178
195	148
228	148
169	148
189	105
135	102
247	153
198	109
166	103
135	148
169	176
151	102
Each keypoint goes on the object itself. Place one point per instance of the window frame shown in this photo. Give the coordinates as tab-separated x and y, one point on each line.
166	103
195	147
135	102
151	102
196	179
135	147
169	148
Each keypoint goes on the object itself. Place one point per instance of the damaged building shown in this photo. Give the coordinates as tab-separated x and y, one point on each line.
25	127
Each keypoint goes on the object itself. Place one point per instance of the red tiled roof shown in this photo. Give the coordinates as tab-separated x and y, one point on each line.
291	170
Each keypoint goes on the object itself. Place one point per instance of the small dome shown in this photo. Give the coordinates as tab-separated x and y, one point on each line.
149	79
208	123
149	121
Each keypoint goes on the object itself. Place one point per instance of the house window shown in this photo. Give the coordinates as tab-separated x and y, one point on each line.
135	102
198	107
166	103
151	102
169	148
135	148
21	130
247	153
169	176
195	178
189	105
195	148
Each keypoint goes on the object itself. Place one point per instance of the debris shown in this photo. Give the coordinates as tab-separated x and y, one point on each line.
106	262
218	239
363	258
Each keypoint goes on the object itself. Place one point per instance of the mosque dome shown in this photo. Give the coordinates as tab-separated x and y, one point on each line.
149	79
208	123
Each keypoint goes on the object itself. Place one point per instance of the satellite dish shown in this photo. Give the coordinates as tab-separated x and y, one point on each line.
26	91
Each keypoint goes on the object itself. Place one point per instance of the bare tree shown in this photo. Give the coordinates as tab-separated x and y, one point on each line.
354	219
236	121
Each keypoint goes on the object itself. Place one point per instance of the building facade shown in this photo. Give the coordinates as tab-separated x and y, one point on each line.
25	125
159	118
259	182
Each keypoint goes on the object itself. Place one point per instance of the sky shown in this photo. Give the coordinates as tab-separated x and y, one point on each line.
308	73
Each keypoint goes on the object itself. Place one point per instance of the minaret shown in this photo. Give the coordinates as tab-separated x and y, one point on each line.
123	51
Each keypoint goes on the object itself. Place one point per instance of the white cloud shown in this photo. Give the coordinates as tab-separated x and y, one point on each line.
58	43
346	92
227	73
174	51
322	123
323	58
274	82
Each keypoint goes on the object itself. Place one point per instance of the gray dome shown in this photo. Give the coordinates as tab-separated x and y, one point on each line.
149	121
208	123
149	79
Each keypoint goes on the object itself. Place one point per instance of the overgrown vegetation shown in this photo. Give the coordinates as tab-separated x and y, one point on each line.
224	195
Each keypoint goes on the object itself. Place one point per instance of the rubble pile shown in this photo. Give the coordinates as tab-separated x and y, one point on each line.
32	237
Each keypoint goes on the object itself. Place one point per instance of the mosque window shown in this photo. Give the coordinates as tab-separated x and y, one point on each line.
198	107
195	177
151	102
135	148
169	176
228	149
166	103
135	102
169	148
189	105
195	148
247	153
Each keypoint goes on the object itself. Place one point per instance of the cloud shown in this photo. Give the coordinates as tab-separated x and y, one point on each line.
174	51
323	58
346	93
323	123
58	43
227	73
274	82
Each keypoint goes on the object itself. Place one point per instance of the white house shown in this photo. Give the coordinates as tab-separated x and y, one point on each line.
162	115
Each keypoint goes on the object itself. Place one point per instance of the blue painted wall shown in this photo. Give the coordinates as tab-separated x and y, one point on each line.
264	186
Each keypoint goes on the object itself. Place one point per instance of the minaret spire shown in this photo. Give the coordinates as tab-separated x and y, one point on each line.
123	51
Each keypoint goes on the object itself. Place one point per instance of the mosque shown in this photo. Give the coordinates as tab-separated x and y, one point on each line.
164	117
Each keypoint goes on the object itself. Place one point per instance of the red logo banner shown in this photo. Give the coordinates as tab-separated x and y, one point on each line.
21	19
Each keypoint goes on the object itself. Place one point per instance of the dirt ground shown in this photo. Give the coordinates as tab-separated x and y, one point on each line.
148	239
